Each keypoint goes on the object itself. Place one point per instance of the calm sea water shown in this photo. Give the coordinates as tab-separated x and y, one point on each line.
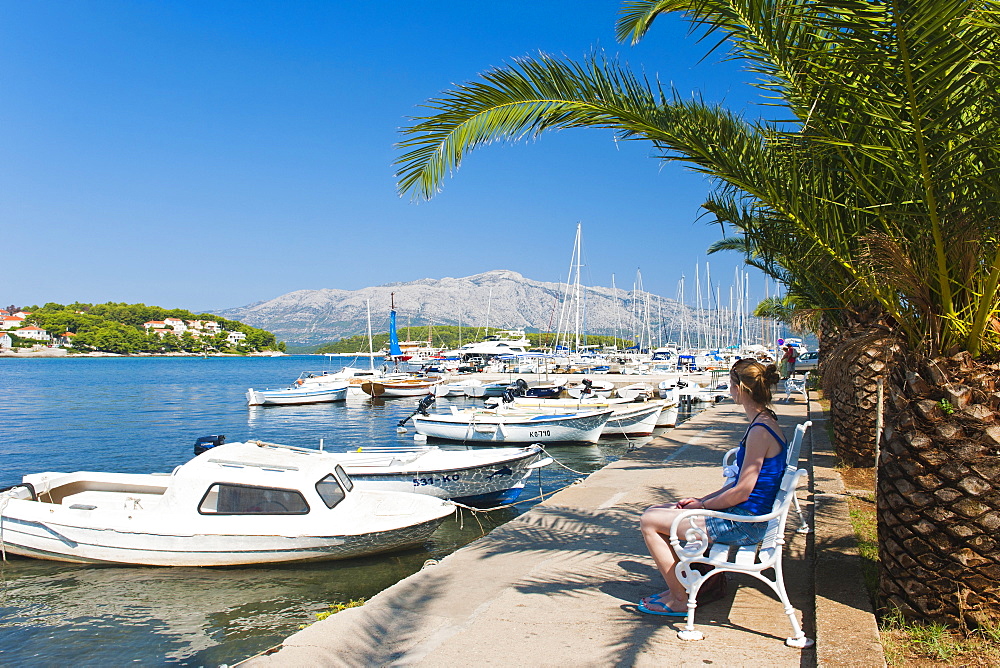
140	415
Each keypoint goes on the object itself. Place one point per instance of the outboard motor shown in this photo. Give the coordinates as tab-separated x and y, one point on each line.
587	387
422	407
521	387
208	442
508	395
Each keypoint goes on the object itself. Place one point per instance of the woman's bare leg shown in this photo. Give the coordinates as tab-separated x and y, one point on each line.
655	526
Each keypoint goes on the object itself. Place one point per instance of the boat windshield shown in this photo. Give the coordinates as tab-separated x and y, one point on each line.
345	479
330	490
230	499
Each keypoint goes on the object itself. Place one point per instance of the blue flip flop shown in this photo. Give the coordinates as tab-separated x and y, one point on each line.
663	613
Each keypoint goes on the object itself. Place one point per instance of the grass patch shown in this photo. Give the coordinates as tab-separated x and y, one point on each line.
862	513
913	644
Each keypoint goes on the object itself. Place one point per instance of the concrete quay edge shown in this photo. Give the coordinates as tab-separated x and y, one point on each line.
846	630
560	582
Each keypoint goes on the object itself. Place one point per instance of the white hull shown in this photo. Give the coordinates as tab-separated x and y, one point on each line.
469	476
403	388
235	504
43	538
314	394
634	391
486	390
633	419
502	427
668	416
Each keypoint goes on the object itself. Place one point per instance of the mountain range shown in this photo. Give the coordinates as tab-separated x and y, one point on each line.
497	298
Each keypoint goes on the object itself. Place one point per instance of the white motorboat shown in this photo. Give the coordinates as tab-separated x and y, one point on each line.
668	416
477	477
455	388
480	477
486	390
692	392
587	387
312	393
633	419
235	504
635	391
501	425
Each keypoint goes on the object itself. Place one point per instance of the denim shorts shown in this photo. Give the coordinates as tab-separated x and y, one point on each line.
735	533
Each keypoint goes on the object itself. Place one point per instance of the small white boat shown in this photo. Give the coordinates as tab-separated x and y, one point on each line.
486	390
668	416
635	391
589	388
455	388
502	425
633	419
312	393
235	504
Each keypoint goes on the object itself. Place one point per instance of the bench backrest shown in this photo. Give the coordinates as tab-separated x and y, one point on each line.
792	453
786	492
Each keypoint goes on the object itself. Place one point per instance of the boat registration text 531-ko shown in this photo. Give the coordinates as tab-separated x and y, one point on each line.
541	433
420	482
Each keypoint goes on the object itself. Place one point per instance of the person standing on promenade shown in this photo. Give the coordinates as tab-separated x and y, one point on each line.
760	463
790	357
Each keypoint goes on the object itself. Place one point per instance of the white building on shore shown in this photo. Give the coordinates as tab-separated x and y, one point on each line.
32	332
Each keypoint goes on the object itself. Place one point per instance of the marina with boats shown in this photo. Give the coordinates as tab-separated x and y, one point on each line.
373	461
141	416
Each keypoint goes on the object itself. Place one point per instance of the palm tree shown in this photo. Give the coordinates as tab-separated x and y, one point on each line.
876	198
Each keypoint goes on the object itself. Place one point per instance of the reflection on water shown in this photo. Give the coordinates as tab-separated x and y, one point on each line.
63	614
141	415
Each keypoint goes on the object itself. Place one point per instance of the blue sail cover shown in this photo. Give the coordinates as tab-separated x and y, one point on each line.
394	350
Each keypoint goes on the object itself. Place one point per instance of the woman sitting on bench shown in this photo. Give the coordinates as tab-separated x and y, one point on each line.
760	463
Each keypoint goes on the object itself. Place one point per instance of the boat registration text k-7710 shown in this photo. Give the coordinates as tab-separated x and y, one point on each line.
539	434
420	482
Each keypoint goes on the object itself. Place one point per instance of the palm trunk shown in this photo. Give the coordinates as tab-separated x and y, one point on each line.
939	492
855	358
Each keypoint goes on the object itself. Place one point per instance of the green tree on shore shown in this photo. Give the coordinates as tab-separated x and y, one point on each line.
118	328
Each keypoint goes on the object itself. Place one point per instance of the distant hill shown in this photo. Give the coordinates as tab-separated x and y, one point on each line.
498	298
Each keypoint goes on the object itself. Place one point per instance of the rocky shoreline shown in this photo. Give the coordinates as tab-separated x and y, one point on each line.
63	353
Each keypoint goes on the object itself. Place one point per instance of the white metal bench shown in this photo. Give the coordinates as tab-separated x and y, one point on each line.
793	384
750	559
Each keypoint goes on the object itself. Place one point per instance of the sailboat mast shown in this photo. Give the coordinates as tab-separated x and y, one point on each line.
576	252
618	319
489	306
371	353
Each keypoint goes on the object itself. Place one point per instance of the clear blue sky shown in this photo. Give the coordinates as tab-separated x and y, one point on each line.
205	155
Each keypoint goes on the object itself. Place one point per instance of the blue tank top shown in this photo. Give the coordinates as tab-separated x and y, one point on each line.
769	480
